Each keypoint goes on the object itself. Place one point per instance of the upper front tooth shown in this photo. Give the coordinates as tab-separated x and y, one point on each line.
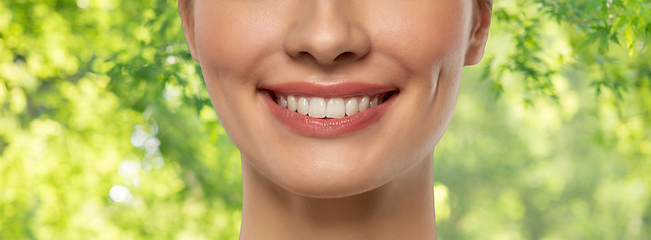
291	103
374	102
317	107
352	106
303	107
336	108
364	103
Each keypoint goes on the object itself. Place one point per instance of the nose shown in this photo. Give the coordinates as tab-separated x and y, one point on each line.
326	32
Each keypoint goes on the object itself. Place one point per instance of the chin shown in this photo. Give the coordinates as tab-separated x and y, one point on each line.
349	169
331	182
338	187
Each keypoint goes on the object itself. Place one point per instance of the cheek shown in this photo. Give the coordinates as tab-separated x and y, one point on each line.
233	38
425	36
430	43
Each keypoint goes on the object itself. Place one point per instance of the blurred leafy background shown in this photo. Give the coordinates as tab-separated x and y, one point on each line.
107	132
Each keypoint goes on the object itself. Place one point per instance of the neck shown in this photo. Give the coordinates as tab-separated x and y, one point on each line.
400	209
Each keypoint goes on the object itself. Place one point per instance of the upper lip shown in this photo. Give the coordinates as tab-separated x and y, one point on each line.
327	90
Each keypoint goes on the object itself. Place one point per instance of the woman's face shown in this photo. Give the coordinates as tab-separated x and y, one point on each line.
333	57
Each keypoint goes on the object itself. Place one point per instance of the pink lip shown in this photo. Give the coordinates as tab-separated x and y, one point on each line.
318	127
328	90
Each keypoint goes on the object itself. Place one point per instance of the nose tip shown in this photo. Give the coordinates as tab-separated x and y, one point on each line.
327	37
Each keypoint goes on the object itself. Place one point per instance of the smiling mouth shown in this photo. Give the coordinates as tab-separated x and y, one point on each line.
333	107
328	110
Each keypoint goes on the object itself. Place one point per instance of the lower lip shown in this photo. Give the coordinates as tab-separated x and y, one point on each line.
331	127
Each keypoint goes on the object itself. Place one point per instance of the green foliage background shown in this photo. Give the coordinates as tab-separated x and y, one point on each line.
551	138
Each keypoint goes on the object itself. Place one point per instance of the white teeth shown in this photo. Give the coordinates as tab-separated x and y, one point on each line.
283	101
291	103
352	106
303	107
374	102
317	107
364	103
336	108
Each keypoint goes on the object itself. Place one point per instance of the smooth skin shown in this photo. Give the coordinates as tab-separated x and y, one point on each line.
375	183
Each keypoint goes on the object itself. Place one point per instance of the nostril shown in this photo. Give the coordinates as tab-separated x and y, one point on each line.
344	56
341	58
305	56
